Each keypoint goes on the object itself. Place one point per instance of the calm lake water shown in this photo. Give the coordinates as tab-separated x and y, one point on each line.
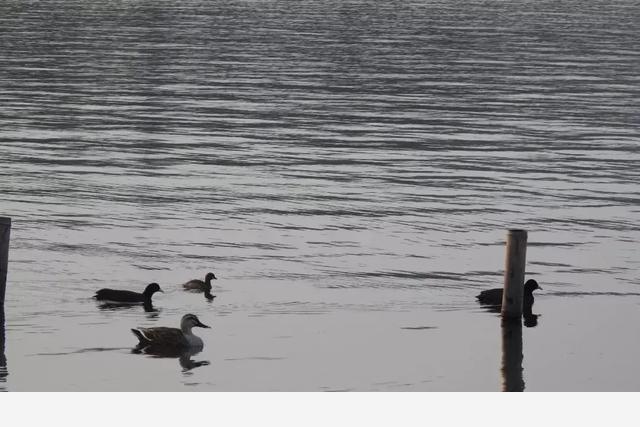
348	169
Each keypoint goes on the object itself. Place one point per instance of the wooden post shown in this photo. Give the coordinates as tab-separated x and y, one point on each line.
5	229
514	273
512	379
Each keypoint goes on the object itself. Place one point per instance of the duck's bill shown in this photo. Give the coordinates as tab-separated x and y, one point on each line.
539	287
202	325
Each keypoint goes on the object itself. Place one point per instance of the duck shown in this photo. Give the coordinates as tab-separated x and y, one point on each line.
128	297
163	337
200	286
494	296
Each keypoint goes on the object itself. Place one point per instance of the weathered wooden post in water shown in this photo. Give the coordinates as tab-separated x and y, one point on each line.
515	262
5	229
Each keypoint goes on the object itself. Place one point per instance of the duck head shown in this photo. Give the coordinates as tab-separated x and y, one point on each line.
151	289
531	286
209	277
191	321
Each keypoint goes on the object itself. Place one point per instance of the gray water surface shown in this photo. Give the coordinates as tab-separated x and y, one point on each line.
348	169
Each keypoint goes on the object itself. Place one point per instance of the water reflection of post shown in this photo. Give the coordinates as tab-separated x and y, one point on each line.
3	358
5	231
512	356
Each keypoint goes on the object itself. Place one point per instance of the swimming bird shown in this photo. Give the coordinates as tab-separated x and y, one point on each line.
200	286
163	337
494	296
128	297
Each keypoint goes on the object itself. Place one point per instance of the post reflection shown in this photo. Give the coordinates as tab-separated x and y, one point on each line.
512	356
3	358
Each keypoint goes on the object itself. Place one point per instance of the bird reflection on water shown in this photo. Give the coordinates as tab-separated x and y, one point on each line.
529	317
184	356
112	306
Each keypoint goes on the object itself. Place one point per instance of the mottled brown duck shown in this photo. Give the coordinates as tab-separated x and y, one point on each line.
163	337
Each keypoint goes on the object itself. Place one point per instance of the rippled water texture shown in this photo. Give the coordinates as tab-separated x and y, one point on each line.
348	169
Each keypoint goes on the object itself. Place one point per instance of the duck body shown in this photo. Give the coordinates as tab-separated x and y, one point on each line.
491	296
163	337
127	297
195	285
494	296
201	285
